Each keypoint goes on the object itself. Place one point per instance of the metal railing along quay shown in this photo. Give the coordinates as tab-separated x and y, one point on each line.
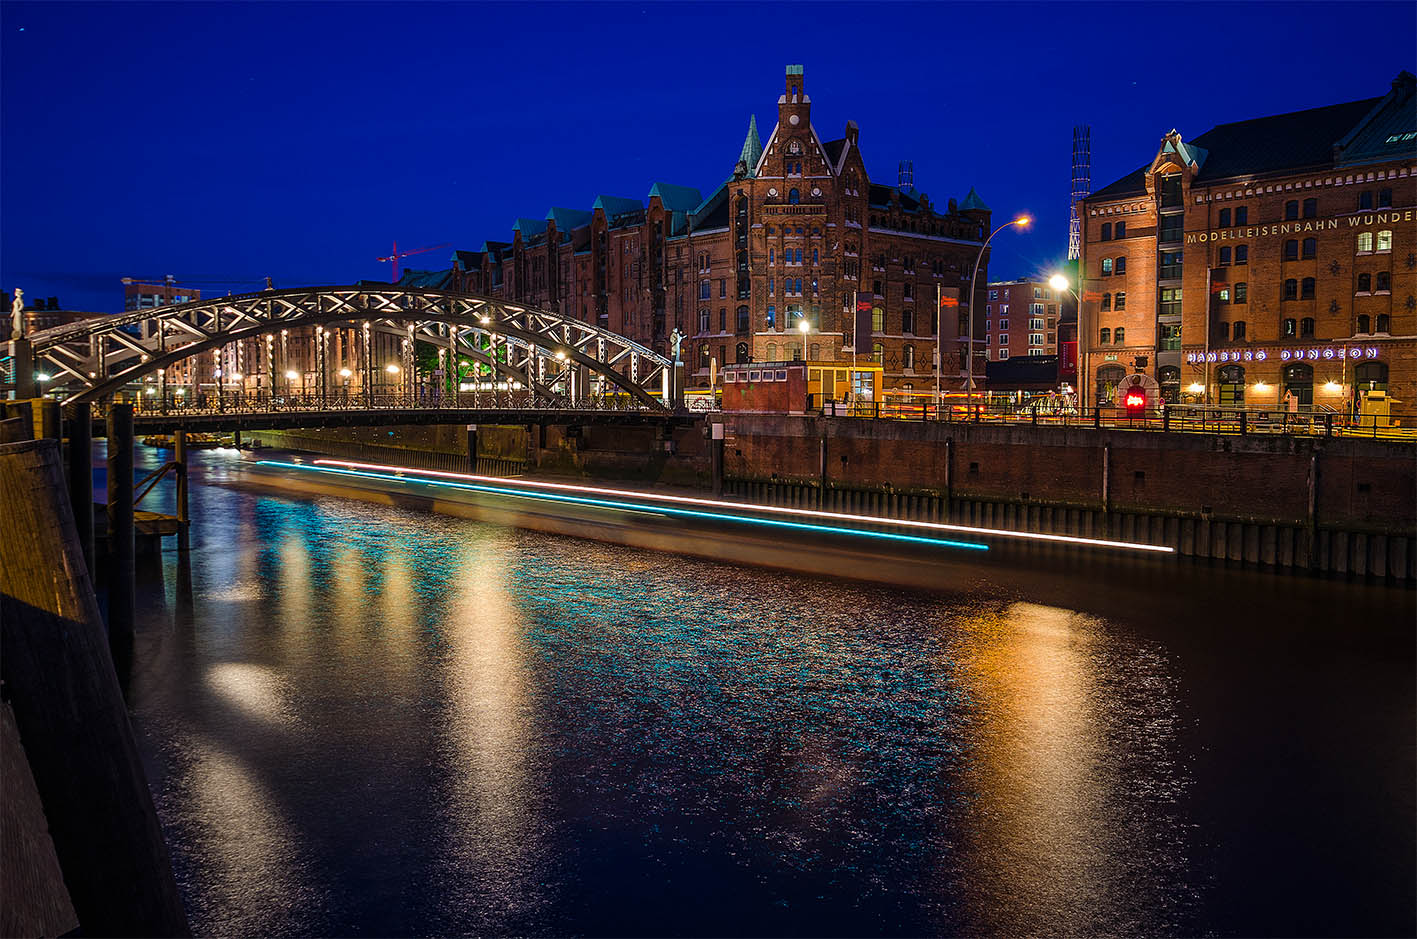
1170	418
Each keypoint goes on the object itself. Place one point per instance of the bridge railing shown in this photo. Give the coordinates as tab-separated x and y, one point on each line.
1179	418
178	402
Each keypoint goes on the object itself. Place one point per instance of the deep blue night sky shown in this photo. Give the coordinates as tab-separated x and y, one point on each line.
225	142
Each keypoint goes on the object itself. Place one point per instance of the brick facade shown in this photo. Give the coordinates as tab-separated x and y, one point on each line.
795	231
1267	256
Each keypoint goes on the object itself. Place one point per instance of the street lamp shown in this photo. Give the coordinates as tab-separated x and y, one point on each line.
1059	282
1022	221
806	328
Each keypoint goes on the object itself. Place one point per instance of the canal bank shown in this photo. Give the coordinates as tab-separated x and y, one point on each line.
1284	503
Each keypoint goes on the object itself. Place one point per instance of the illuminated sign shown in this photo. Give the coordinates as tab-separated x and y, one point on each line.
1310	354
1299	227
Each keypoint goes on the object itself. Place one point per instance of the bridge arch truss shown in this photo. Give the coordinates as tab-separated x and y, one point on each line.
560	358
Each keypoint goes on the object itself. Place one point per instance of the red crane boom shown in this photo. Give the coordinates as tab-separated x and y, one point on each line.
394	257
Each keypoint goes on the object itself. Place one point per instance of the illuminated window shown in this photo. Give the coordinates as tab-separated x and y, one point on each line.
1365	241
1106	267
1105	336
878	353
1119	335
1240	293
1290	327
1384	241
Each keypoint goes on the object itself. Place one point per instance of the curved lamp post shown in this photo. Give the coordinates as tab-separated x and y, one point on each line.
1022	221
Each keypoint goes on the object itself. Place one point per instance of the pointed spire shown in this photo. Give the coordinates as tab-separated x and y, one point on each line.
973	202
752	147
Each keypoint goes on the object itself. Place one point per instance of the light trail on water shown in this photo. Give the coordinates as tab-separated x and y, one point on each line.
398	475
773	509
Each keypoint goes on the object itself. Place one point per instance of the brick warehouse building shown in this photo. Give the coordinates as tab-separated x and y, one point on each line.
1265	256
795	231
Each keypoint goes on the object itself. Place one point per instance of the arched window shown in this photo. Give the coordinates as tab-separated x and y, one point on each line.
1105	336
1365	283
1106	232
1291	209
705	290
742	319
1311	247
1306	326
1224	254
1365	241
1306	289
1371	376
816	352
1384	241
1364	324
878	353
1239	329
1170	378
1384	198
1106	302
1121	267
1119	335
1291	249
772	352
1291	289
772	255
1242	253
704	357
814	256
1224	220
1108	378
740	352
907	357
1384	284
1311	208
1290	327
1299	381
703	321
793	197
1119	300
1106	267
1121	231
772	316
1384	323
1230	383
1241	292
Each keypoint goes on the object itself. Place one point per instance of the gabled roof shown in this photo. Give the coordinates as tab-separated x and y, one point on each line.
568	219
972	202
833	149
1292	141
1387	130
879	195
752	150
616	205
530	226
676	198
467	260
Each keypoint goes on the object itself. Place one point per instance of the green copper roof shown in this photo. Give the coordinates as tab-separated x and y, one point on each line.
530	226
752	146
676	198
567	219
794	70
973	202
616	205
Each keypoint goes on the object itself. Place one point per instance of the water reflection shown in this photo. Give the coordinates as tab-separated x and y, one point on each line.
386	722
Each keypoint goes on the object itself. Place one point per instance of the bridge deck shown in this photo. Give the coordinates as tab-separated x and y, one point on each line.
208	421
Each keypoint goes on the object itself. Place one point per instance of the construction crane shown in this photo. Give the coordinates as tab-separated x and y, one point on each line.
404	254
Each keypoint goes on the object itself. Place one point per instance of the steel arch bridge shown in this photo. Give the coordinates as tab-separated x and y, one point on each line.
549	353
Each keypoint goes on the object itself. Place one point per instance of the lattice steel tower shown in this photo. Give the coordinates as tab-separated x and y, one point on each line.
1082	187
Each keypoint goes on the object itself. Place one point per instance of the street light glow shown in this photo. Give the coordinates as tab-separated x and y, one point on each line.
1058	282
291	376
44	376
391	368
345	373
1023	221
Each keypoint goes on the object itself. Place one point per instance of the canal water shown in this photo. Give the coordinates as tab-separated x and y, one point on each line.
367	720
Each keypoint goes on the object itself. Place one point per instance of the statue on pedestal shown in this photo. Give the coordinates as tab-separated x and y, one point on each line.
677	338
17	315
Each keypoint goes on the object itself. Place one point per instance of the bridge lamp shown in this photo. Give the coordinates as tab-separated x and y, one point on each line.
44	376
486	320
291	376
345	373
391	368
236	376
560	356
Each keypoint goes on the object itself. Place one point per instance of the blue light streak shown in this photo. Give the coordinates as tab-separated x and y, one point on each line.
633	507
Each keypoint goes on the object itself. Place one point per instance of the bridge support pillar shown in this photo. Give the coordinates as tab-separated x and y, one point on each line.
121	545
179	456
236	439
472	448
81	478
22	357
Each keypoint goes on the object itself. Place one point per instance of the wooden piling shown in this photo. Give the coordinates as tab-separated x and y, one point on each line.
81	478
179	455
121	547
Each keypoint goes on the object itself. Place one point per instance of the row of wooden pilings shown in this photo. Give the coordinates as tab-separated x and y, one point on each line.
121	535
1277	546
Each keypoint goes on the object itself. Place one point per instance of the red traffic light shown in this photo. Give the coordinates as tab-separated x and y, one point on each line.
1135	400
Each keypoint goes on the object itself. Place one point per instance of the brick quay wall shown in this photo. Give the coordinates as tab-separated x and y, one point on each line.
1339	505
